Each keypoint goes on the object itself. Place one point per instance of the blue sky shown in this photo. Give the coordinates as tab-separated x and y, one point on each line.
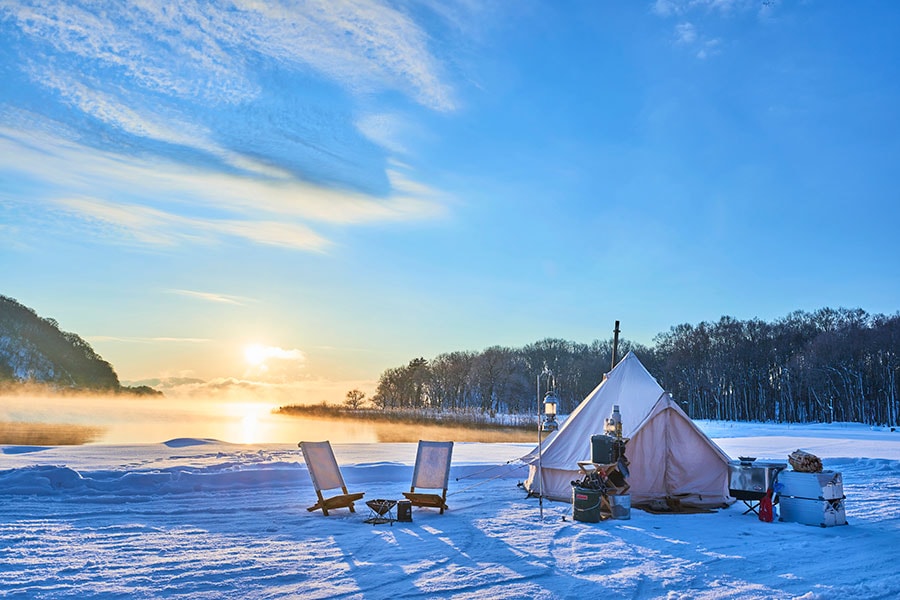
351	185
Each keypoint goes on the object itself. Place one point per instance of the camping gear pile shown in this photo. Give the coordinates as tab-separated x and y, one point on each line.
809	494
602	493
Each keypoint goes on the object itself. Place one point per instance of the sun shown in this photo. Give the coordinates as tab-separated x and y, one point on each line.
255	354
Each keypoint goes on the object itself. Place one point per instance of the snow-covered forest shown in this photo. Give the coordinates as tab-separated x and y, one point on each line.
823	366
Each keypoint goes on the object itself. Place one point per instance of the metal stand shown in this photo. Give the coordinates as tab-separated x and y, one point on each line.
380	512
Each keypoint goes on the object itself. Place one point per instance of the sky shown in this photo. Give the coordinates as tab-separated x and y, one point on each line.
303	194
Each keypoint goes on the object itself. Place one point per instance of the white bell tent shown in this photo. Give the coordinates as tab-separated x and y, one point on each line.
669	457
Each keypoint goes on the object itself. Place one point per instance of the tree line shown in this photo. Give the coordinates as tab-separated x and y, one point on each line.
822	366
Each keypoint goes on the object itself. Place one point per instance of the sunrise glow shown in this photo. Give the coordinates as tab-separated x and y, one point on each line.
250	427
255	355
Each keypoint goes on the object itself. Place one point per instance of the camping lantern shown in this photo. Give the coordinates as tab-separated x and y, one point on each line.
550	404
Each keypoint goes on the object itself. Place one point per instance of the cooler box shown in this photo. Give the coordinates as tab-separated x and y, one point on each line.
825	513
827	485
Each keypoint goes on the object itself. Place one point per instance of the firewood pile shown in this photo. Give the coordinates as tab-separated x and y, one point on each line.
805	462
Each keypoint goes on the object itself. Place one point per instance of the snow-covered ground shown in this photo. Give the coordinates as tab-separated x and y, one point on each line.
195	518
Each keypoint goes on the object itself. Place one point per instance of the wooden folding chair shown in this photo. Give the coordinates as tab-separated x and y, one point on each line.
326	475
432	471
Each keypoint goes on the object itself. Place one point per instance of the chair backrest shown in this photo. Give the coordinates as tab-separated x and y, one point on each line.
322	465
432	470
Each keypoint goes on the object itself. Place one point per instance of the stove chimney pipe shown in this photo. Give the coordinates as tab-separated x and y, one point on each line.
615	346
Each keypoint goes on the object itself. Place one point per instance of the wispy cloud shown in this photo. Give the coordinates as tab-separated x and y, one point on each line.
127	112
213	297
200	206
708	48
668	8
157	228
273	362
85	95
258	353
687	33
299	390
147	340
186	48
384	130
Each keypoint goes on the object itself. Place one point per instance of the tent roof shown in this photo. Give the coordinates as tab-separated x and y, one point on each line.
630	386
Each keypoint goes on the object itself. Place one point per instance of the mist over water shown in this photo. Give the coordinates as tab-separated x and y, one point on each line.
57	420
136	420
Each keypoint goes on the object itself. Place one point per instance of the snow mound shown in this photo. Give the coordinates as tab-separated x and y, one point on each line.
187	442
23	449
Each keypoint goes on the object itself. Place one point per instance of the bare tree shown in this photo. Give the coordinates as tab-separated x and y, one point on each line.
355	399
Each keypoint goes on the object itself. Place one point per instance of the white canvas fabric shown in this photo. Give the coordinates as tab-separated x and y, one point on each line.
668	454
432	470
670	457
322	465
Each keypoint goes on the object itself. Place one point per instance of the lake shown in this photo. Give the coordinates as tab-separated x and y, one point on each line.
57	420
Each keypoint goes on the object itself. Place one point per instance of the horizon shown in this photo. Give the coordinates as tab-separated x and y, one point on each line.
300	196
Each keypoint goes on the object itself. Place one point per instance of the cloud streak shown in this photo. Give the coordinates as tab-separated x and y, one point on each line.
186	49
687	33
148	340
669	8
200	206
212	297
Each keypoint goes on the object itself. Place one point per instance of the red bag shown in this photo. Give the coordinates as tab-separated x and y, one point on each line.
765	507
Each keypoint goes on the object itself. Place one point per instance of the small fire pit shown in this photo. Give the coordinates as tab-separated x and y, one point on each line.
380	511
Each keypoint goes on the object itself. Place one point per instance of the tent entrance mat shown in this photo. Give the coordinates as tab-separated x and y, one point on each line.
672	506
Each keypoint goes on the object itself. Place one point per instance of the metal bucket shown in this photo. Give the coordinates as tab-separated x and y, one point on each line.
620	506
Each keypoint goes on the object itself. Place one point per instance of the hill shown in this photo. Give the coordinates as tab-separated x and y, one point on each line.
35	352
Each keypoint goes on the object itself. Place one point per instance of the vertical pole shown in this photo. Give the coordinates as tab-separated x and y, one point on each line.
549	374
540	466
615	346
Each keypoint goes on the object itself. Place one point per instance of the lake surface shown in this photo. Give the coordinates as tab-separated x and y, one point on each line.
125	420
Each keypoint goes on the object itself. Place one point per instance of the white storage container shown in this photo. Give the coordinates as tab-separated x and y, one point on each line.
827	485
825	513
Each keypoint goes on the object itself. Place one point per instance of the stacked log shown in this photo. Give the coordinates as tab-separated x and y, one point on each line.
805	462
